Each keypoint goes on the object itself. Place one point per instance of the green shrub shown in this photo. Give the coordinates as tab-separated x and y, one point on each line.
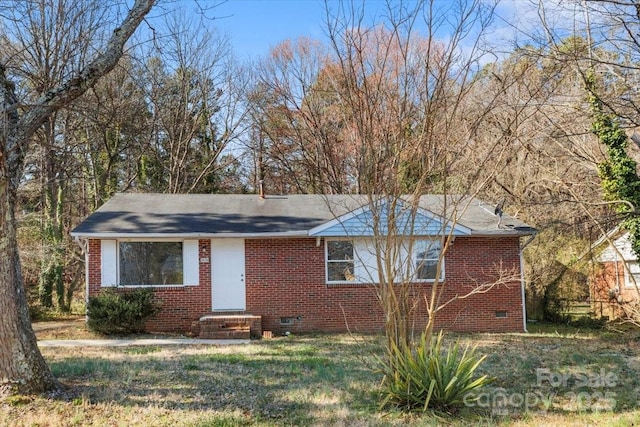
117	312
426	377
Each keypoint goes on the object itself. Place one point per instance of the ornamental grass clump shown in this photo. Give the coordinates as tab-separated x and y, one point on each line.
427	378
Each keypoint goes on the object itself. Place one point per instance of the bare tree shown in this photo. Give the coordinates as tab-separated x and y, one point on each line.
550	157
40	55
107	130
392	103
299	120
410	115
22	367
592	48
194	91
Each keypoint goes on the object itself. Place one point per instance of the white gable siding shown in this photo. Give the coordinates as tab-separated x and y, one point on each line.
366	264
621	250
361	223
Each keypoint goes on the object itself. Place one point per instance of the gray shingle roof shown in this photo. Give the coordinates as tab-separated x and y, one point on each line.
144	214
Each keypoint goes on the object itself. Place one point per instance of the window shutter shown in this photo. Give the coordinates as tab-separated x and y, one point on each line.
109	267
190	263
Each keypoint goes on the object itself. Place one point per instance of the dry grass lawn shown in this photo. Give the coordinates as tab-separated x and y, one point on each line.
547	377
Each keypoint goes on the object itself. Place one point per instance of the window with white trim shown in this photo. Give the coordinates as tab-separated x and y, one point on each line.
426	255
150	263
633	273
355	261
136	262
340	264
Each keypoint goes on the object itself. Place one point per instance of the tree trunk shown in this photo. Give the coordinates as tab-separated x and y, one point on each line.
22	367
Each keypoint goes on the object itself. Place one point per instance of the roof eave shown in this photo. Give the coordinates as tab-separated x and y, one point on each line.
81	235
283	234
497	233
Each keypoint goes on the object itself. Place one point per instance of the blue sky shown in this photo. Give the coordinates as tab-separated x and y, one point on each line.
254	26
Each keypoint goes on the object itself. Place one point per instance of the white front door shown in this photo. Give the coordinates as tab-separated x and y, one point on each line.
227	275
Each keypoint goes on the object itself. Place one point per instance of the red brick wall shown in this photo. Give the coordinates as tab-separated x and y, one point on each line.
286	278
181	305
608	277
95	267
473	262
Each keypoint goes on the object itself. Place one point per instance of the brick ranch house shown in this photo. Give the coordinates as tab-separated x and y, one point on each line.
614	283
298	263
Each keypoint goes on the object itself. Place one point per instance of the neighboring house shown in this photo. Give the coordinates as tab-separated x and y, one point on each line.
616	280
299	263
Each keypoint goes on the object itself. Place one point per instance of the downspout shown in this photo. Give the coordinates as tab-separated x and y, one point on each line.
522	282
84	247
615	263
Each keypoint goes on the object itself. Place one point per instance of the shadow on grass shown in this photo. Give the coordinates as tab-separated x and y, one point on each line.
288	380
326	380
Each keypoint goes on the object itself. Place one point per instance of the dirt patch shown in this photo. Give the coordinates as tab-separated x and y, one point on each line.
63	329
76	329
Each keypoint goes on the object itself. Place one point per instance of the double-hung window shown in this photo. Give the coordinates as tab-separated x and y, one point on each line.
340	264
426	254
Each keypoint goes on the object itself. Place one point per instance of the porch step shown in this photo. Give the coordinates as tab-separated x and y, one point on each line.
228	326
219	332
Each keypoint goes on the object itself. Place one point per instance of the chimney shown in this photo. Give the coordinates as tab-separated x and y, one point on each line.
261	188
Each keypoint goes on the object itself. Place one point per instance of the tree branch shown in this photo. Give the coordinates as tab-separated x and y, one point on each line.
52	100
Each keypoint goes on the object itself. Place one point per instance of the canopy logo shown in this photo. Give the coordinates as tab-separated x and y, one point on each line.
569	391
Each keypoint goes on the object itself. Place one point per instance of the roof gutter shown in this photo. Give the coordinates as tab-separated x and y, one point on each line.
148	236
278	234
